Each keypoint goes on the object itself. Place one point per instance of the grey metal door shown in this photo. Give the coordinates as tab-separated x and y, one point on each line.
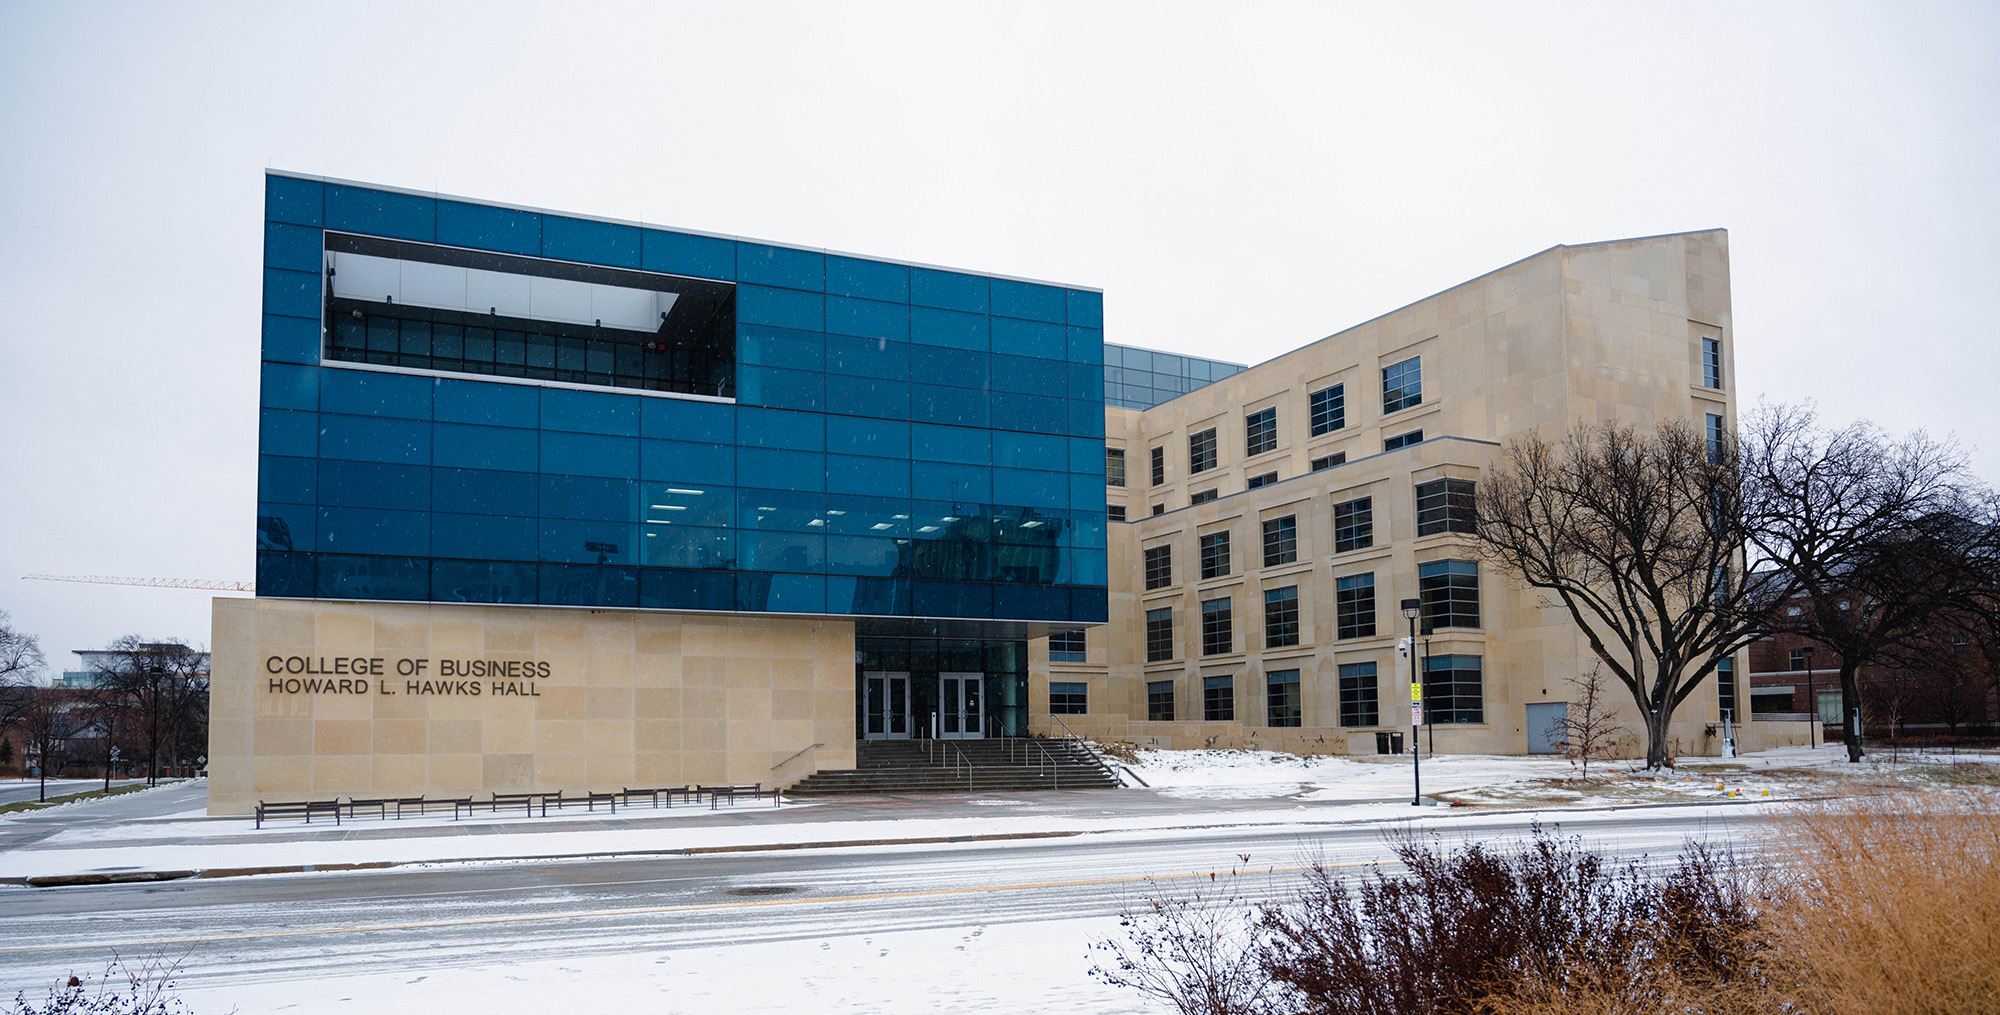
960	708
886	706
1543	735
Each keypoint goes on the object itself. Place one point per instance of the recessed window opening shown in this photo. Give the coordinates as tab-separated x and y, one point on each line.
427	307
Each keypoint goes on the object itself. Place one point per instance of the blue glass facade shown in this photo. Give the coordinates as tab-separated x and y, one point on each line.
904	441
1143	378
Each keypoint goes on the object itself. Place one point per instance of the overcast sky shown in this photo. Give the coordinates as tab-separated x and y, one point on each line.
1240	179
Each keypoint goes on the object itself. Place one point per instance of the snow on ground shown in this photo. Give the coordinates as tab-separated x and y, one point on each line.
1002	968
1473	780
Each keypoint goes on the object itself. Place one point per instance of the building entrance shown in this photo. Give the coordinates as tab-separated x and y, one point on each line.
961	706
886	706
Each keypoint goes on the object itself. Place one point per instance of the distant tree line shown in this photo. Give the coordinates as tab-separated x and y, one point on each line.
145	708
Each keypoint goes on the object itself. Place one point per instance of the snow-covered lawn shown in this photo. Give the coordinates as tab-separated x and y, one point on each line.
1472	780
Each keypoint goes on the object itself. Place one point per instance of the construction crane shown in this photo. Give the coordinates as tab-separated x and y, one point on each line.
151	583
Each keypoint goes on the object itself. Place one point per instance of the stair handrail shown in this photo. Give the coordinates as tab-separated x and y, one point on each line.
1049	766
963	761
1084	746
795	755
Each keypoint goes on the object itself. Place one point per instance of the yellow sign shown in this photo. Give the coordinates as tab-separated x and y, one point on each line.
1416	692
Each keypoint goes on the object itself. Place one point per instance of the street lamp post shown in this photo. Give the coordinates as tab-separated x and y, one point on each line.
1412	607
1812	699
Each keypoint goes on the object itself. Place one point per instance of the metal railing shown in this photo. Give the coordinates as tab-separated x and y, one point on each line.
946	754
795	755
1083	746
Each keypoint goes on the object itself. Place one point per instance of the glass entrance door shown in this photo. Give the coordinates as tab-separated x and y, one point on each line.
886	706
961	706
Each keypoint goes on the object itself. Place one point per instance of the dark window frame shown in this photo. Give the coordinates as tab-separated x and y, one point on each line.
1159	701
1360	695
1403	385
1159	562
1260	481
1329	409
1068	697
1454	690
1218	699
1282	700
1354	524
1218	627
1403	440
1354	606
1711	363
1160	635
1447	505
1201	451
1281	540
1068	647
1159	466
1260	432
1281	617
1449	591
1338	458
1214	554
1114	466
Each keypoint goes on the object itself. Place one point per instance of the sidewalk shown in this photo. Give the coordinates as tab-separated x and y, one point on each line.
179	840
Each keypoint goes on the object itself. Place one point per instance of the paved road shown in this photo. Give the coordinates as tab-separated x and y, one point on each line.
15	791
276	927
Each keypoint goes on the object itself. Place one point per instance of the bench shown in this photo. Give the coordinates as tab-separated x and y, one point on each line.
381	805
297	809
716	794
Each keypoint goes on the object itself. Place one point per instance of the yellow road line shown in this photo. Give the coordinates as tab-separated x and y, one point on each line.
652	910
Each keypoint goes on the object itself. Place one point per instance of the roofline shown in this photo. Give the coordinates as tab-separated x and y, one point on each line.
1484	274
689	232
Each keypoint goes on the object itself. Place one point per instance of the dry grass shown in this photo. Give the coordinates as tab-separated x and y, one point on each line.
1888	907
1897	909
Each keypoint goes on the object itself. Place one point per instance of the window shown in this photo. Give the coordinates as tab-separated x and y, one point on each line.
1798	659
1217	636
1323	464
1114	466
1215	554
1353	525
1159	509
1264	480
1403	440
1450	593
1159	566
1218	699
1201	451
1354	606
1725	687
1068	699
1202	496
1281	540
1452	690
1359	705
1260	431
1715	436
1711	363
1066	647
1281	698
1281	617
1159	466
404	304
1115	513
1403	384
1159	701
1329	409
1445	505
1159	635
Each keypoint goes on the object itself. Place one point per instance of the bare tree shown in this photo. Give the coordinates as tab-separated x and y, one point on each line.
1639	538
1872	540
46	722
20	664
156	690
1589	729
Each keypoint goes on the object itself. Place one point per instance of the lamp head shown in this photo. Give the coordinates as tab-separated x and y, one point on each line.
1412	607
